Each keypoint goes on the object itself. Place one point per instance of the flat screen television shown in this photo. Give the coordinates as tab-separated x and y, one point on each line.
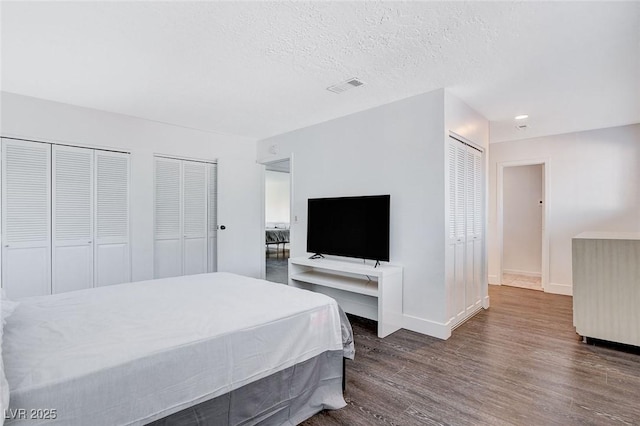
349	226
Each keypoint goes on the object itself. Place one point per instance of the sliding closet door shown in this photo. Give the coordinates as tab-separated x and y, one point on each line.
72	218
112	245
26	218
168	218
195	217
212	212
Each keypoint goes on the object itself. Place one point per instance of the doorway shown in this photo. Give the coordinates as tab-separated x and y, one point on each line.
522	225
277	214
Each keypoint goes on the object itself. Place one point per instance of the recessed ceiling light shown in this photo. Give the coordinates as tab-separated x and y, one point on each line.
521	117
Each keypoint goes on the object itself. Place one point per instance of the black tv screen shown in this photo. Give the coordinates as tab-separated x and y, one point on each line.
349	226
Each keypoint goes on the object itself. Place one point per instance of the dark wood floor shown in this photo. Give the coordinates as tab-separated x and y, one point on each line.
518	363
277	265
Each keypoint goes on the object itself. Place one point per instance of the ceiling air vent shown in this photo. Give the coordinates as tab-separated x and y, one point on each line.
346	85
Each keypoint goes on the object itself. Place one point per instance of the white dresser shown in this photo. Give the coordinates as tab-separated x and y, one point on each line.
606	286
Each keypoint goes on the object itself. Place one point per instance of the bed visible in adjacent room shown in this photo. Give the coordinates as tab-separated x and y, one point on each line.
219	347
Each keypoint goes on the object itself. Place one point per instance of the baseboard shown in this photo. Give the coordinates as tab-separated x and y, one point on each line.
565	289
485	302
525	273
493	279
430	328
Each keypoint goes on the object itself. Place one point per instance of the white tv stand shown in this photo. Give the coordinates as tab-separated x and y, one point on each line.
374	293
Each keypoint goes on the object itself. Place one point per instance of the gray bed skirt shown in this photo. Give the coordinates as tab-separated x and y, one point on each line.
287	397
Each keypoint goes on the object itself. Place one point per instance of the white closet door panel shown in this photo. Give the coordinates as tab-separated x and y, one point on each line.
478	216
212	254
26	218
72	218
195	217
195	256
167	258
212	213
478	269
72	268
108	256
469	279
451	216
195	199
460	190
167	218
450	280
112	247
460	288
478	226
168	195
469	178
26	271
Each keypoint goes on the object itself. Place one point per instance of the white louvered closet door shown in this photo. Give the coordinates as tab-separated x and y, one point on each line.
464	266
478	227
26	218
168	218
195	217
471	279
212	213
112	246
460	222
72	219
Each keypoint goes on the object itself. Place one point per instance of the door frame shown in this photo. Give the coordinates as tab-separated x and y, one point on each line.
264	163
544	162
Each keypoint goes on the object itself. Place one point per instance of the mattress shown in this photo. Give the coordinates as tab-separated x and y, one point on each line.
134	353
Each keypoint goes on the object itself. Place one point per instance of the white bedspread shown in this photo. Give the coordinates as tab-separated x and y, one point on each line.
132	353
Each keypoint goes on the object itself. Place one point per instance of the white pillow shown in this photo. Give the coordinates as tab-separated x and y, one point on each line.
6	308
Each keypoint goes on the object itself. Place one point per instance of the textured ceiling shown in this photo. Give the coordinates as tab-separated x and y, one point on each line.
259	69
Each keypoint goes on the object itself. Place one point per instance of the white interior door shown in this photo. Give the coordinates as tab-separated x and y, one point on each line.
72	219
195	217
168	218
112	245
26	218
238	207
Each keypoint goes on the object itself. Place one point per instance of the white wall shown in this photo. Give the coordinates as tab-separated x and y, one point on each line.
395	149
240	245
522	219
594	185
463	120
276	197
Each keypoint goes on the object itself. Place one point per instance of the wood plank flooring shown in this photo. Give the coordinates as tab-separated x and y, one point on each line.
518	363
522	281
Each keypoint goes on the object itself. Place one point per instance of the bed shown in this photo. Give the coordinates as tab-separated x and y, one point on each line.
214	348
277	236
